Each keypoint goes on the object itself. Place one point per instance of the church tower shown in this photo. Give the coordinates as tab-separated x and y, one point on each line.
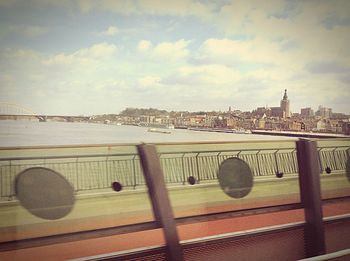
285	105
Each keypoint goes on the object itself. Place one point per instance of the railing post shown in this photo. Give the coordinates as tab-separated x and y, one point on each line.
310	194
158	194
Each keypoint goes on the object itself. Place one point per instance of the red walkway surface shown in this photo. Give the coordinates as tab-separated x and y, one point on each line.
104	245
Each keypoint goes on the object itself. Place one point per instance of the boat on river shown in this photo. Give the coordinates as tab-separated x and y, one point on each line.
156	125
159	130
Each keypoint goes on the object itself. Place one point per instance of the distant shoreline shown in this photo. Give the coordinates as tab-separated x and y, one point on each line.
300	134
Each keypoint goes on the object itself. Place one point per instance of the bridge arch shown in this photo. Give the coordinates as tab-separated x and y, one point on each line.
8	108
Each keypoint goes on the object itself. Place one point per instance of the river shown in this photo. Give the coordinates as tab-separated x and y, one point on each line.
32	133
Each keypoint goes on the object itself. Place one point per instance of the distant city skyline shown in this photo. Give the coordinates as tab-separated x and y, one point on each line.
99	57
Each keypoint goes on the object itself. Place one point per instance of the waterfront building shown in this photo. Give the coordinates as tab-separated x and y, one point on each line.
307	112
261	112
321	125
261	123
285	105
232	122
338	115
296	126
346	127
276	112
324	112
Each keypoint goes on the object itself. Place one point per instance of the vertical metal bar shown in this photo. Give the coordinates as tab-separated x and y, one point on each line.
218	165
134	171
76	174
257	161
319	159
310	194
183	169
12	192
275	154
218	158
108	179
197	166
334	167
162	210
294	163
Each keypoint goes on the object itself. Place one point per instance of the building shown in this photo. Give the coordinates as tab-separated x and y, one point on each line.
276	112
285	105
337	115
307	113
282	111
346	128
296	126
321	125
324	112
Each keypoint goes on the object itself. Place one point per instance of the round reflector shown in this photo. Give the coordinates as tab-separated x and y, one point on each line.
235	177
44	193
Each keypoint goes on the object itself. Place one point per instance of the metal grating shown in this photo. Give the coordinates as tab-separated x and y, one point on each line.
284	245
337	235
153	257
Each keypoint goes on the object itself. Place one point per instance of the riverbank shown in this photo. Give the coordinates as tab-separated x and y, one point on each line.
299	134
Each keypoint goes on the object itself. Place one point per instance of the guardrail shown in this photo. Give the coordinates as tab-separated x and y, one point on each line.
95	172
314	236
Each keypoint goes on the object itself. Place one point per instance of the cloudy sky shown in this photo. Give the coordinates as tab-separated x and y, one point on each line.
93	57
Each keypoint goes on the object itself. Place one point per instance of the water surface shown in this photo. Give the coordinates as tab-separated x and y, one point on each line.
32	133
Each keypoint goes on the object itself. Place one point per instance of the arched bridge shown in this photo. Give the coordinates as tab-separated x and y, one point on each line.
13	111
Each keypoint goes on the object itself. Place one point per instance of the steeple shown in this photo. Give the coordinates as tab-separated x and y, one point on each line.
285	105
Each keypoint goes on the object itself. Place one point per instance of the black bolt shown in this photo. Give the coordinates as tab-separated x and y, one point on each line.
191	180
117	186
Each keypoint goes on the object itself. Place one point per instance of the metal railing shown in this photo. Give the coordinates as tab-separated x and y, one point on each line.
96	172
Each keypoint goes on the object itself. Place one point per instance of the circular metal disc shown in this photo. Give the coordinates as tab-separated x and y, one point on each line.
235	178
44	193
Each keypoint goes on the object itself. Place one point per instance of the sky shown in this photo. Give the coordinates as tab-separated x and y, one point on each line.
88	57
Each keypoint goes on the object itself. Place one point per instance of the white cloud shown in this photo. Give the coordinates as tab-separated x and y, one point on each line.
98	51
110	31
234	52
176	50
214	74
144	45
84	56
319	29
171	51
149	81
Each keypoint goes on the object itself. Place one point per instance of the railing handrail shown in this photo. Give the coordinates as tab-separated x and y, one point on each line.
73	156
155	143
